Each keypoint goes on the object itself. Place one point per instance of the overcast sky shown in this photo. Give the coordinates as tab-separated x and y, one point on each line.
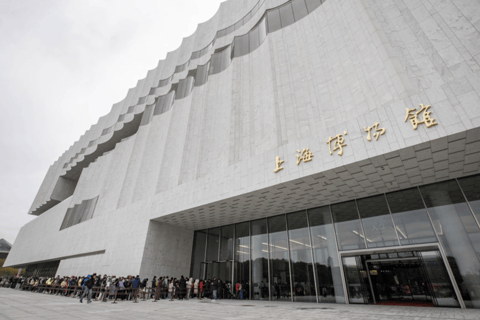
63	64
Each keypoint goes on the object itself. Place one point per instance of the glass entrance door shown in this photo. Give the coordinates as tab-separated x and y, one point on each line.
402	281
414	278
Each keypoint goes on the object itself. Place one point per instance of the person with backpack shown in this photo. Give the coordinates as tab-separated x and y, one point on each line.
88	283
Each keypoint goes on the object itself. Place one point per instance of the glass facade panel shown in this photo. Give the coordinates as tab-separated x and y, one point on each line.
226	243
411	219
238	25
198	255
471	188
299	9
212	244
279	262
226	58
221	33
262	30
147	115
242	260
377	222
286	15
247	17
195	55
327	266
241	45
254	39
259	244
201	76
273	20
215	63
357	280
294	256
459	234
312	4
440	285
301	257
347	224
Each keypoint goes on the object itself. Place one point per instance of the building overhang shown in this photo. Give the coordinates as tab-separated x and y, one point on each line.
437	160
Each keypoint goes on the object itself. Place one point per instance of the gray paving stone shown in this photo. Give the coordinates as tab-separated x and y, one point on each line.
26	305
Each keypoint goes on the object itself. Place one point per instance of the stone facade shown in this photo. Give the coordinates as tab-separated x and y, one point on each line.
209	160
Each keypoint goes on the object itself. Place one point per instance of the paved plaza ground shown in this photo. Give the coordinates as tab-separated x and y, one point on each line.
26	305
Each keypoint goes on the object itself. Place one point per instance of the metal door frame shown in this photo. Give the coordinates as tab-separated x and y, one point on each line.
415	247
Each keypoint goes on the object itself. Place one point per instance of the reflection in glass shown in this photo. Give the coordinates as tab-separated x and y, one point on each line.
273	20
440	285
259	244
377	222
286	15
242	259
226	243
411	218
329	277
459	234
357	280
212	244
301	257
279	265
198	255
471	188
347	224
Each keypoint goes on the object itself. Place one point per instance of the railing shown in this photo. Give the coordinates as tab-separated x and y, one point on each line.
113	293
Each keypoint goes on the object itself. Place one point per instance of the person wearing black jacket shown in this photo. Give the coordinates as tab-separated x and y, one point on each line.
88	288
215	288
154	285
182	284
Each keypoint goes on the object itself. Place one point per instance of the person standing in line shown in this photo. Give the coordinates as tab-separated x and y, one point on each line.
143	287
189	288
170	290
135	285
88	288
214	288
182	286
158	289
154	287
195	288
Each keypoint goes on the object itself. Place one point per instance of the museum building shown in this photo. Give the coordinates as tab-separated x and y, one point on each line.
323	151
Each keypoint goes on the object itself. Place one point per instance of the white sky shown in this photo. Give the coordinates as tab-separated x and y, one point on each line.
63	64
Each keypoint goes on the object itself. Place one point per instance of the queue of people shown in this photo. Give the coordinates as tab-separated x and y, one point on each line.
130	288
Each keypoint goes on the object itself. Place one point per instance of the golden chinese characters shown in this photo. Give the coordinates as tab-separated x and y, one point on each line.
376	134
413	116
278	164
338	144
306	156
